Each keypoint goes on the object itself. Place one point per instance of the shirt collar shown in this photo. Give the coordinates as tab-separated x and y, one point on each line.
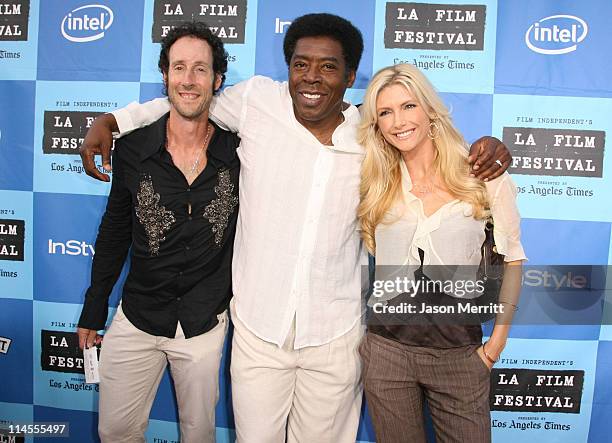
156	139
406	180
347	132
220	153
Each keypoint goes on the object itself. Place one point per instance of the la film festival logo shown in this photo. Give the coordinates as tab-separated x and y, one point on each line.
5	344
14	20
226	19
536	390
435	26
8	437
555	152
12	239
64	131
60	352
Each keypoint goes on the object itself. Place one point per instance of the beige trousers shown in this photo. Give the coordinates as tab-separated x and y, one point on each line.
307	395
132	363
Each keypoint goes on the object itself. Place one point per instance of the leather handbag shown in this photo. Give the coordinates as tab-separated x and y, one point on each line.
490	271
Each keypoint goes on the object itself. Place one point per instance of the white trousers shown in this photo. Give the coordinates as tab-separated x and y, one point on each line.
132	363
307	395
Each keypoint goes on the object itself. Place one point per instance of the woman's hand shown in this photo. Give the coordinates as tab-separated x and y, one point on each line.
490	351
484	359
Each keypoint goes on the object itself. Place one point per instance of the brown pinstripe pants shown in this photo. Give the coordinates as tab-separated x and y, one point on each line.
455	382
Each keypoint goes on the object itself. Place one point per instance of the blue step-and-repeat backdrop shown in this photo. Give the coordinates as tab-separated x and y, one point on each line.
533	73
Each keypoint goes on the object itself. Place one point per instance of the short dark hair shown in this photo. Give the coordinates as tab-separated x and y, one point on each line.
326	25
197	30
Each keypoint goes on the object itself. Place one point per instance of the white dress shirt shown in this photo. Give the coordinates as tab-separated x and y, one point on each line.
449	236
297	252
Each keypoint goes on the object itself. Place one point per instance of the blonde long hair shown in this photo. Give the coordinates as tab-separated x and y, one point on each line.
380	184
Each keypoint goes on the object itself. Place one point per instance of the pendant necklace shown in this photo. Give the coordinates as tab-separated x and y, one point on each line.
424	189
196	163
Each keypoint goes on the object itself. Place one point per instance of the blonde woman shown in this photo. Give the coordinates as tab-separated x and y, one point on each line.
420	207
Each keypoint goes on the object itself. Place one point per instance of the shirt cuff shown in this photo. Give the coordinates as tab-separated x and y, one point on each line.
124	120
512	250
94	313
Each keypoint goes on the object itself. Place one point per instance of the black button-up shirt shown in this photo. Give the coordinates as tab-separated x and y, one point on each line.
181	236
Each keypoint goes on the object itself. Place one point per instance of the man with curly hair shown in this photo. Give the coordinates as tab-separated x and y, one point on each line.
174	202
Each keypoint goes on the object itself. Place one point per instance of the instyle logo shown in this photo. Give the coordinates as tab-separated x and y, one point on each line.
71	247
5	344
14	20
556	34
87	23
559	278
280	26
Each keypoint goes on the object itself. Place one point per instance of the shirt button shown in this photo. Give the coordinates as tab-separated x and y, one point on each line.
178	298
190	218
180	273
187	248
188	190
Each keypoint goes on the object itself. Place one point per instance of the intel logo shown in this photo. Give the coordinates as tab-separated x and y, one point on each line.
557	34
87	23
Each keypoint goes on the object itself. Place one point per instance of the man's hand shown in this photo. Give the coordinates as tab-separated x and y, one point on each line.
486	154
99	140
88	338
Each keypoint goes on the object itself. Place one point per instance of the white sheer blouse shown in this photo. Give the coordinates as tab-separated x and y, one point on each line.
451	235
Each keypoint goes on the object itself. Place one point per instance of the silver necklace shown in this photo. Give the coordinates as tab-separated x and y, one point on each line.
196	163
427	187
423	189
